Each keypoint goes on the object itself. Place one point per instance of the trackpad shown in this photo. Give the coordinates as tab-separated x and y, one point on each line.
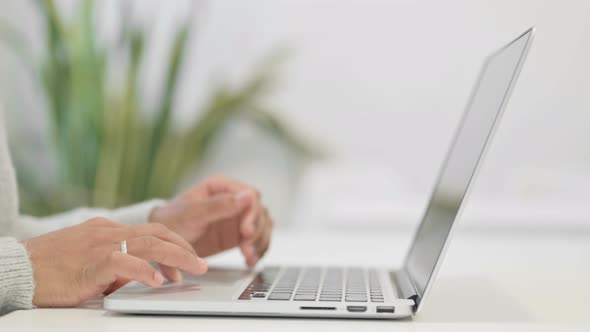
216	284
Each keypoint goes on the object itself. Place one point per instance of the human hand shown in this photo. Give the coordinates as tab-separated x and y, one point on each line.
81	262
219	214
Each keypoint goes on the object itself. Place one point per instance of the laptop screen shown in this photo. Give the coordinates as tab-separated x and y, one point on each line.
483	112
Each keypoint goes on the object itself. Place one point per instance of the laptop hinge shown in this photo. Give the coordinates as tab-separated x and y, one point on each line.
405	287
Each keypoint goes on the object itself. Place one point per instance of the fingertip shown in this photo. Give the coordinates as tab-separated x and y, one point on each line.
251	261
170	273
251	257
202	266
243	250
242	199
249	254
158	279
247	249
177	276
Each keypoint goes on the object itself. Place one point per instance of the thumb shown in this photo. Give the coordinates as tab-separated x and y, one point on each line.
221	207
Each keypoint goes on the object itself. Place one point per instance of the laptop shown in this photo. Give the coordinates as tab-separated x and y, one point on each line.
353	292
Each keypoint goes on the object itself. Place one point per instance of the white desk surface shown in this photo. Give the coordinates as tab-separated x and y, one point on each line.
491	281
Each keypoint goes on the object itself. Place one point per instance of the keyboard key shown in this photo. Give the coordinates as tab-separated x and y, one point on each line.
322	299
304	297
356	299
260	284
279	296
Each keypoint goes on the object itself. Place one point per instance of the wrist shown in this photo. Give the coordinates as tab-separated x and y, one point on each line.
152	216
155	213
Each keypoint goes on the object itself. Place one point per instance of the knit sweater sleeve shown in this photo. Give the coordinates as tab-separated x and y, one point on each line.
16	277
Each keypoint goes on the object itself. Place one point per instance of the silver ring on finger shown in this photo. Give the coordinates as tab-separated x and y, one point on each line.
124	246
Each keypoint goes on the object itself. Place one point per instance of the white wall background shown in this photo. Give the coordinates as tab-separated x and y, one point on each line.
382	84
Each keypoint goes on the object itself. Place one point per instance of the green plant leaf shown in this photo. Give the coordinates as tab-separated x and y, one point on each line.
109	151
56	69
163	117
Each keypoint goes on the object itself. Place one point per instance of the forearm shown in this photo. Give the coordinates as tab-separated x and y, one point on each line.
27	227
16	277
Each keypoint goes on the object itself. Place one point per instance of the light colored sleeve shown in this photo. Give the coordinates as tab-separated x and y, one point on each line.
26	226
16	277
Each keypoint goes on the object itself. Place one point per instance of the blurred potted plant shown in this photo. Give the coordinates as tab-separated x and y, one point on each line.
108	150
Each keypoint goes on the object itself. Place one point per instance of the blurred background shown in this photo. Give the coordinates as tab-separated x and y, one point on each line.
341	112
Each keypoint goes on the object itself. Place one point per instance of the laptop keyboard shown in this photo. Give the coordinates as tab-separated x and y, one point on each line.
315	284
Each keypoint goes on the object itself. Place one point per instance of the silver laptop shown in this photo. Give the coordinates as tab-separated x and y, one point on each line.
355	292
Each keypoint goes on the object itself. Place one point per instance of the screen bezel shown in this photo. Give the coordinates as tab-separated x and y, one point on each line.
529	34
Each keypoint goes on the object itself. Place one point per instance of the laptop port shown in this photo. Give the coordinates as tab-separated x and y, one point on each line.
356	308
317	308
385	309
